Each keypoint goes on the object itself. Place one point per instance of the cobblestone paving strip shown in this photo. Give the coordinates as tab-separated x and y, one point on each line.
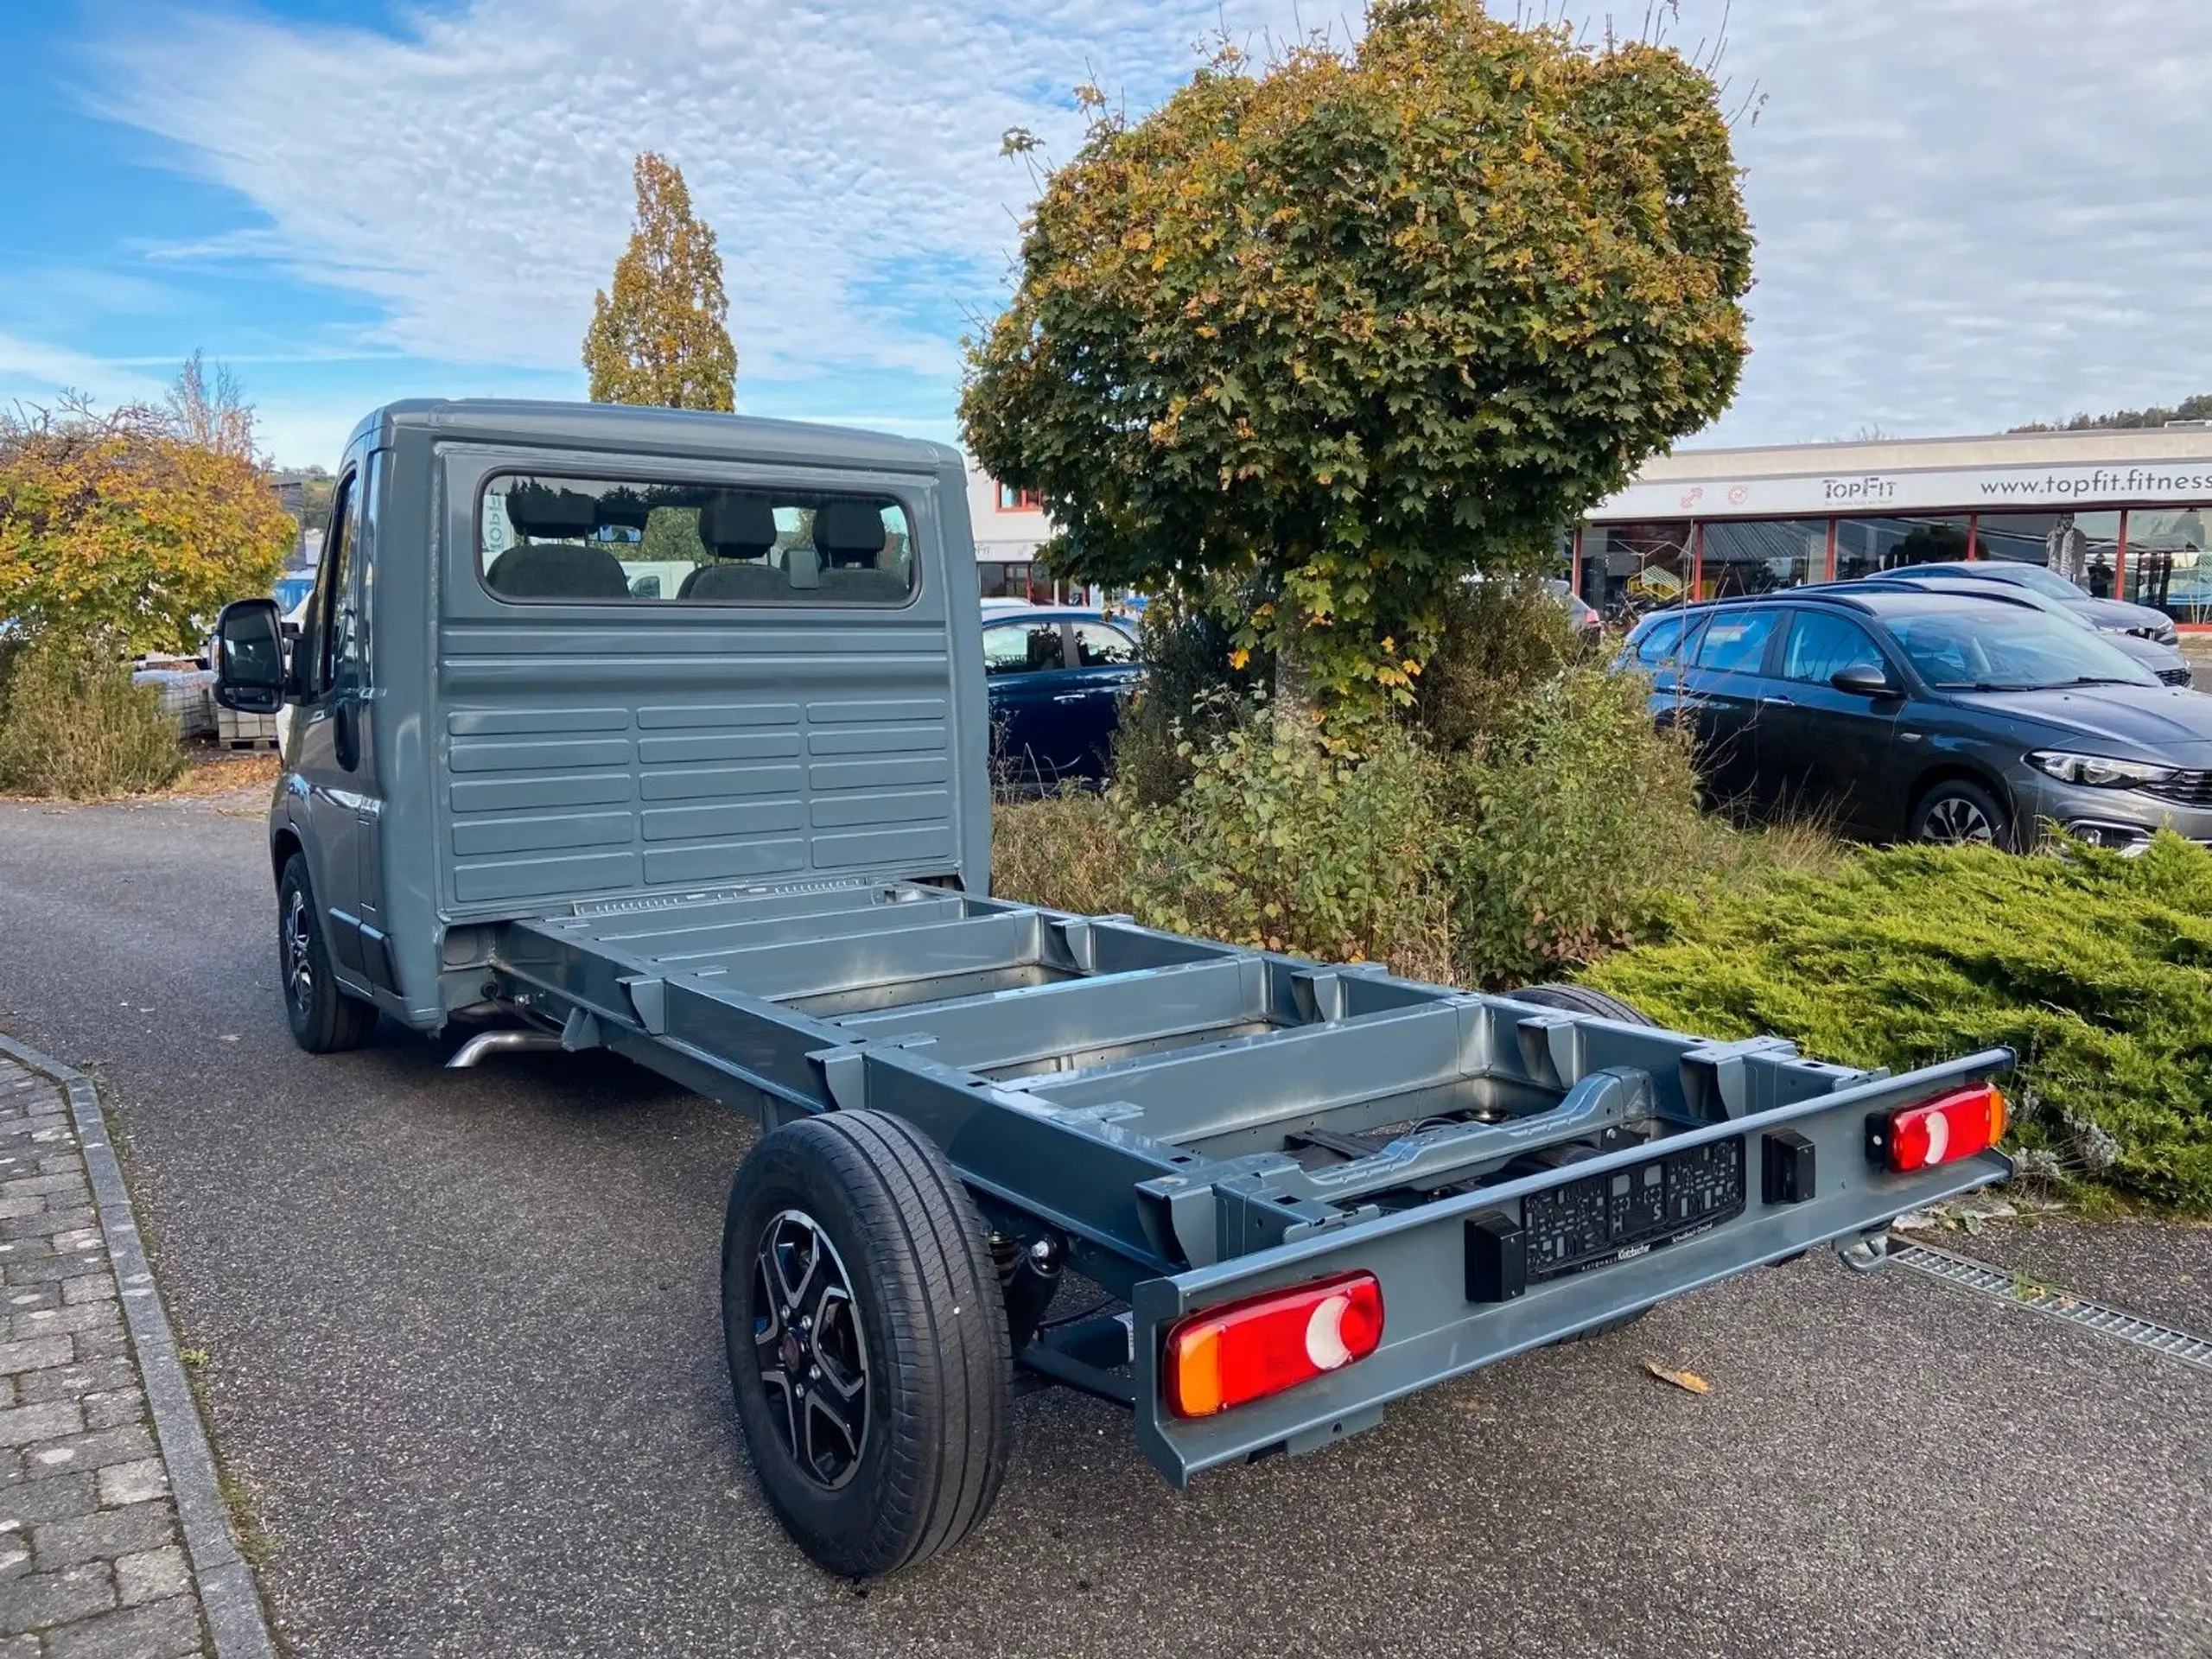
100	1553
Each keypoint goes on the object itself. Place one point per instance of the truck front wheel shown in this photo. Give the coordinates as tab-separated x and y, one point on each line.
324	1019
867	1341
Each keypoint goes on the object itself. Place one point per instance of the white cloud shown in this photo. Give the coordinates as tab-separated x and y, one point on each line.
36	372
473	179
1971	213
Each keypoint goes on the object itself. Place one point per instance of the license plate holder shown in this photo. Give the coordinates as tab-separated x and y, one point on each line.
1605	1219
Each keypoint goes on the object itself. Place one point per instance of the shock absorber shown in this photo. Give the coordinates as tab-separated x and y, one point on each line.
1030	1283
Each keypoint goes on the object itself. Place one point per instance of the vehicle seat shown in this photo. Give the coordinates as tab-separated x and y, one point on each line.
557	571
553	560
739	531
850	537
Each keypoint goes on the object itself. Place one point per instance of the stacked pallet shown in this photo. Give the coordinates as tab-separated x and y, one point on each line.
236	731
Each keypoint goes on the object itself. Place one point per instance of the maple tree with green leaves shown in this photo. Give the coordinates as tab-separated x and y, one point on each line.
661	336
1363	320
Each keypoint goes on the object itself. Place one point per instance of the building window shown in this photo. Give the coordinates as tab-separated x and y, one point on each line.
1760	554
1013	500
2170	561
2082	547
1630	568
1003	579
1865	547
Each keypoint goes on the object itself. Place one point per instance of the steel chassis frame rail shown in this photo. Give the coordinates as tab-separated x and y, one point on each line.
1139	1096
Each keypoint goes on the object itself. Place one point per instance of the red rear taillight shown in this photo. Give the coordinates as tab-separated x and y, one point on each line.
1939	1131
1243	1350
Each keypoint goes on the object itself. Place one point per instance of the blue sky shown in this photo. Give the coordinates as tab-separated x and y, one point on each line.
1971	213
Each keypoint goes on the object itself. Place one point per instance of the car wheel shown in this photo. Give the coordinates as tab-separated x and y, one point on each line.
323	1018
1958	813
867	1342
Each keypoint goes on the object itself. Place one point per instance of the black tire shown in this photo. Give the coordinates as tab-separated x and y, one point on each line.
868	1481
1580	999
324	1019
1958	812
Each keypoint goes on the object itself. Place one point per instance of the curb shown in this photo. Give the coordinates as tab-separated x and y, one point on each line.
227	1594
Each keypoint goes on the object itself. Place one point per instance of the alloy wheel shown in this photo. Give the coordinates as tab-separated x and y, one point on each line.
1956	819
808	1342
299	963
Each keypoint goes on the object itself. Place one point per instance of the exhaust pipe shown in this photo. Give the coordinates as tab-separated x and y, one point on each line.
473	1051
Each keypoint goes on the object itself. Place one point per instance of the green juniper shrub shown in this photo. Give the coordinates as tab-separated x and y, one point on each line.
2095	969
72	724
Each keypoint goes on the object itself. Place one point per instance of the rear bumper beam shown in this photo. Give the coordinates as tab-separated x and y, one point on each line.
1433	1330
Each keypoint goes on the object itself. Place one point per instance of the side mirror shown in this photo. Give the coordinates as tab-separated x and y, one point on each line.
250	657
1863	681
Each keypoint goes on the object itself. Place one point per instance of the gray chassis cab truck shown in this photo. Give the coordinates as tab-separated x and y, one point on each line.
664	732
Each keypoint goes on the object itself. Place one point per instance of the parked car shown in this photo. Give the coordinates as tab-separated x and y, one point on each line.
2107	615
2165	661
1912	714
1587	623
1055	677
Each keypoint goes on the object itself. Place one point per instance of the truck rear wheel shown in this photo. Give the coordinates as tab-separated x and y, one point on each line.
1580	999
866	1339
324	1019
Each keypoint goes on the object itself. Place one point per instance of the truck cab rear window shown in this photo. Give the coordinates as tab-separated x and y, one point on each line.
601	541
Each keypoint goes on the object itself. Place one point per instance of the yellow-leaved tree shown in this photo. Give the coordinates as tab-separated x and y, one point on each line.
661	337
135	526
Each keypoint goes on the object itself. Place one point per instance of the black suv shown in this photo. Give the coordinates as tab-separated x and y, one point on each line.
1905	714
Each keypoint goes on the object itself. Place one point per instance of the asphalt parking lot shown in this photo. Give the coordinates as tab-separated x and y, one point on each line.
462	1358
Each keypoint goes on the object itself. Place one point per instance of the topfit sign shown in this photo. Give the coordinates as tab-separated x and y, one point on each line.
2025	489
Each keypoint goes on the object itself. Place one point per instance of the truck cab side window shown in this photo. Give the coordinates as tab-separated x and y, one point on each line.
333	619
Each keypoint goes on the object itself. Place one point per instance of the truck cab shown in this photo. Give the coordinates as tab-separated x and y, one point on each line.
558	652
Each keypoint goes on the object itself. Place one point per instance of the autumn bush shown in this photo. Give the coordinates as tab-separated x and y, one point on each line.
1363	316
126	527
1526	853
72	724
1191	692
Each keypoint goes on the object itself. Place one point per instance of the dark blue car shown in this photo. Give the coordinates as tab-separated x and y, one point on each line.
1057	678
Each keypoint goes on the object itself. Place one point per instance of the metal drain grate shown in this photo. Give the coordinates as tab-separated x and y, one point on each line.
1969	1274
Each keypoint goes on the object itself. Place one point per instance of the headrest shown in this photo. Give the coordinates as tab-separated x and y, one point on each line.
738	526
845	528
534	510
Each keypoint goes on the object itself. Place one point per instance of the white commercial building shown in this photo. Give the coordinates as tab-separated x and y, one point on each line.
2124	512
